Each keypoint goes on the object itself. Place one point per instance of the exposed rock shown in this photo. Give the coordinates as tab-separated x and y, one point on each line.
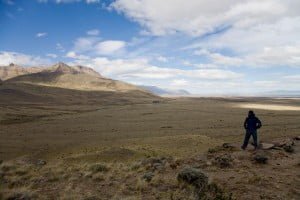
261	158
266	146
285	142
194	177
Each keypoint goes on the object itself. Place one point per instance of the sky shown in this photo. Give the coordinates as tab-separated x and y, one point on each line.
207	47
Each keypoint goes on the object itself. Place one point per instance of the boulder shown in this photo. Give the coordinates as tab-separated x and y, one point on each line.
266	146
285	142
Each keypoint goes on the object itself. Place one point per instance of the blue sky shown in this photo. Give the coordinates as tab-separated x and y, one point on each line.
203	46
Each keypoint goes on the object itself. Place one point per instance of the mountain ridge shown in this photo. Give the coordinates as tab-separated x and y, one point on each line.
64	76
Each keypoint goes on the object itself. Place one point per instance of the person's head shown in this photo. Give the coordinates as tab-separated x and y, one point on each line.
251	113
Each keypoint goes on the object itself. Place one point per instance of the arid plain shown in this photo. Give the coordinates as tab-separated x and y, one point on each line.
58	143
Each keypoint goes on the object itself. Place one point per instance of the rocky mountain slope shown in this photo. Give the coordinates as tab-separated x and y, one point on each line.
77	77
61	83
12	70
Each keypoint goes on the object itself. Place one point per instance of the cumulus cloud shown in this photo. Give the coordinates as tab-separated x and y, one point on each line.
95	46
142	69
109	47
72	54
179	83
21	59
256	33
197	17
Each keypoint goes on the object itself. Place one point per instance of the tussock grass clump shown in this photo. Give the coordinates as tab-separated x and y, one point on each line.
98	167
215	192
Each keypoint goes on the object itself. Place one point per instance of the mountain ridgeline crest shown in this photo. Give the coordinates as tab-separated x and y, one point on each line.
63	76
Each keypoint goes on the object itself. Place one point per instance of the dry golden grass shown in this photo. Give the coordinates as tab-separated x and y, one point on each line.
103	151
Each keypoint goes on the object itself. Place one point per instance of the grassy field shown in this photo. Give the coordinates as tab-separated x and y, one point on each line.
74	139
176	127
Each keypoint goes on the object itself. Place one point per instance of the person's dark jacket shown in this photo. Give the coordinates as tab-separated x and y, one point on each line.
252	123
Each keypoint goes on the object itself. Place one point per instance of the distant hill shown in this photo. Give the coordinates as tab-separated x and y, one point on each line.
75	77
281	93
165	92
66	84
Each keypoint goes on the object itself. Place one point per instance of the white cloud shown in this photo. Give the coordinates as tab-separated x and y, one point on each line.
197	17
94	45
179	83
142	69
72	54
41	34
109	47
21	59
218	59
283	56
93	32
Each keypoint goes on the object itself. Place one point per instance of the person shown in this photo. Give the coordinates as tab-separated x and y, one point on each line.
251	124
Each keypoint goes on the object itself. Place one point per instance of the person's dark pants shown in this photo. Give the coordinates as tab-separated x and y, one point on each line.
250	133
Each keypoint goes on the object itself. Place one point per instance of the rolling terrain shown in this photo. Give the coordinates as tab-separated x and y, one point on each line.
69	133
63	84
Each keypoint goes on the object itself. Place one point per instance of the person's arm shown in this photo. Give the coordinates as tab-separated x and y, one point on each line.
258	124
246	123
